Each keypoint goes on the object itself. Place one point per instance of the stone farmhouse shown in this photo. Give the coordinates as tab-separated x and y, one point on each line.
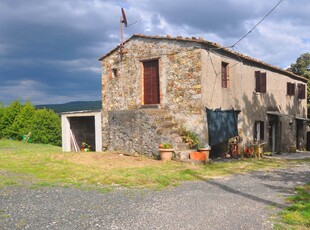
153	86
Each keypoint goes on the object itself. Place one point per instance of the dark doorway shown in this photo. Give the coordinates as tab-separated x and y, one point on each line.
299	134
83	130
308	141
151	82
274	133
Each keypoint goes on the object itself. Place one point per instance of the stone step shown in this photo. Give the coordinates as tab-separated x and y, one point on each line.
181	146
183	155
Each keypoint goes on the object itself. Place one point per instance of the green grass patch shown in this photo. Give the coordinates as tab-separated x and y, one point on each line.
6	181
47	165
297	214
4	215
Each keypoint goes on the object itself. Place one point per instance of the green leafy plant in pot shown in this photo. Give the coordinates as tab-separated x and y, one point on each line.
166	151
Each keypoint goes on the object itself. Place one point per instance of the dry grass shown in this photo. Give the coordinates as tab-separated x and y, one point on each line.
49	166
107	160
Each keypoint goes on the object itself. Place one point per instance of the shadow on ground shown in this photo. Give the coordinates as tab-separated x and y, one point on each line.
257	185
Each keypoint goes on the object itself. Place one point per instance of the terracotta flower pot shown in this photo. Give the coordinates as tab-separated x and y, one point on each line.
198	156
205	151
166	154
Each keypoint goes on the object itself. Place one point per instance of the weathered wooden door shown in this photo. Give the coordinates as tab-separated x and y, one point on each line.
151	82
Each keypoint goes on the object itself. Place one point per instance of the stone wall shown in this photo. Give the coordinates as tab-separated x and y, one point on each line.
140	131
180	83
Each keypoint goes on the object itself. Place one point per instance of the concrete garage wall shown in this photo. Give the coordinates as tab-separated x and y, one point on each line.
86	127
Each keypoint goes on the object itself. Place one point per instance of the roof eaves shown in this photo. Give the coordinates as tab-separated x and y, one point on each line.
213	45
113	50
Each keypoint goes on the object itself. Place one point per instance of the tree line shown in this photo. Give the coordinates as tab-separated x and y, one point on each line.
17	120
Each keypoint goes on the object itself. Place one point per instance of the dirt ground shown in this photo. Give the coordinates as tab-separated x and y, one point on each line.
108	160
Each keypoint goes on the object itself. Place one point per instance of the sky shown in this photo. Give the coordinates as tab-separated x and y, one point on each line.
49	49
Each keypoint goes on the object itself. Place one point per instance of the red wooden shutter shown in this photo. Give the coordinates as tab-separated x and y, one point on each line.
292	89
263	82
260	82
288	88
301	91
257	81
151	82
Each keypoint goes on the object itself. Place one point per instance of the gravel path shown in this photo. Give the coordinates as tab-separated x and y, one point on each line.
244	201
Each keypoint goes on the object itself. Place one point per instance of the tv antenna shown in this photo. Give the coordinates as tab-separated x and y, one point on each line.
123	22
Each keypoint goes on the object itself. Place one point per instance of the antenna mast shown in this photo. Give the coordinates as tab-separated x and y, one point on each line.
123	22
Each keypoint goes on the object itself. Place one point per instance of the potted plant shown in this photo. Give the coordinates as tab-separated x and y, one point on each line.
166	151
189	138
205	149
85	147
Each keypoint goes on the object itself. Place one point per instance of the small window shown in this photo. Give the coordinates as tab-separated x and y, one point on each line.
260	82
290	89
259	130
301	91
114	73
225	74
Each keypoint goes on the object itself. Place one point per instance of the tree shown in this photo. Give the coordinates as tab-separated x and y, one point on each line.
302	65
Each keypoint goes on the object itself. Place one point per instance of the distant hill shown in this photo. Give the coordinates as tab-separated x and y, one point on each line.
73	106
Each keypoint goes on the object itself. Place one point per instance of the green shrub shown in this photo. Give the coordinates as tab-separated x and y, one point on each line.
46	127
8	116
18	120
23	121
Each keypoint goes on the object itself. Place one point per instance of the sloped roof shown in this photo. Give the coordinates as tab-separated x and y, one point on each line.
212	45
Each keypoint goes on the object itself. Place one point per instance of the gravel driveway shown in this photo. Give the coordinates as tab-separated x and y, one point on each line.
243	201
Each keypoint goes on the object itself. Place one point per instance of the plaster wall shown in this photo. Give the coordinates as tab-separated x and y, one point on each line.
240	95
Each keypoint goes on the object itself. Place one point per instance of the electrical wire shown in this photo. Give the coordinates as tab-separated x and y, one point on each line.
216	76
257	24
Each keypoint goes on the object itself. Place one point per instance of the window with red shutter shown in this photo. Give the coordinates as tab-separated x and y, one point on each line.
301	91
290	89
225	75
260	82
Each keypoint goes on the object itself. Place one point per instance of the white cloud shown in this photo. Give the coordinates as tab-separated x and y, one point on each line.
77	65
277	43
44	45
23	90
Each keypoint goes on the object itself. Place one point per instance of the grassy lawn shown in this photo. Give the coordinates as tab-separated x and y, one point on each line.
297	215
43	165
